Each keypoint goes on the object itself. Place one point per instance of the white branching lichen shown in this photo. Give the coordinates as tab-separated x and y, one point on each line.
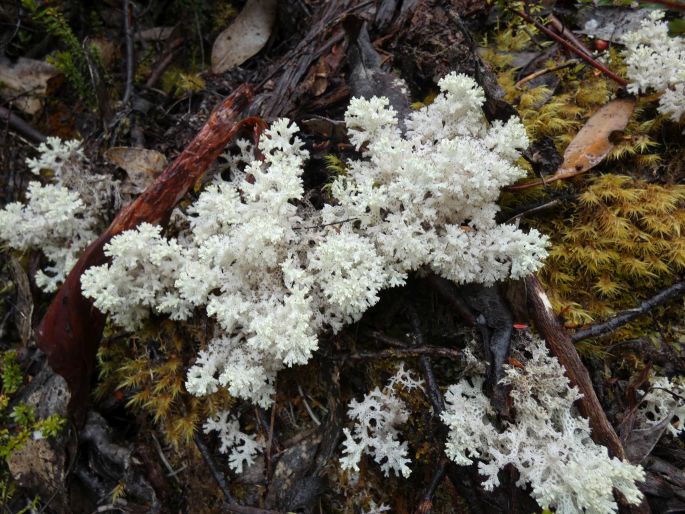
656	62
274	272
241	448
548	442
53	220
377	420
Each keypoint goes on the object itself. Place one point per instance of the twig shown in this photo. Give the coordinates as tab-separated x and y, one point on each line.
628	315
71	329
20	126
572	48
231	505
306	406
130	65
678	6
381	337
174	474
407	352
426	504
218	476
562	348
532	210
570	36
433	390
166	463
544	71
199	37
164	62
268	455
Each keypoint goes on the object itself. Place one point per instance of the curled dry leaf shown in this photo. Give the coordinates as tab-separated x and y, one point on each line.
27	81
140	164
592	144
246	36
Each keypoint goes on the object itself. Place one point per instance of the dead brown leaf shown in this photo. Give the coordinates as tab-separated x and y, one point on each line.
592	143
246	36
140	164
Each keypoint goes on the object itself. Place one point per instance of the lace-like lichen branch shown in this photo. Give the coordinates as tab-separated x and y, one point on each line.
377	419
548	442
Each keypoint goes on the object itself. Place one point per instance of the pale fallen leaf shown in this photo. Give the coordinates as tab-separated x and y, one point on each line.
26	82
140	164
592	143
246	36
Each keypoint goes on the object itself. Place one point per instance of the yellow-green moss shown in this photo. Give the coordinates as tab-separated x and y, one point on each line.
625	238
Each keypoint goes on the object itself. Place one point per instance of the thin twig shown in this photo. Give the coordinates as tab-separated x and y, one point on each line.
199	37
326	224
544	71
164	62
432	388
130	65
231	505
568	35
218	476
678	6
572	48
381	337
448	353
627	316
306	406
426	504
532	210
270	441
20	126
166	463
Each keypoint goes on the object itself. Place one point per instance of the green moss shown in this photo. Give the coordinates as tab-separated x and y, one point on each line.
624	239
148	372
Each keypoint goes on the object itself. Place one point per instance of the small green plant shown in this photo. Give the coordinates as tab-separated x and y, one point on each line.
73	61
17	426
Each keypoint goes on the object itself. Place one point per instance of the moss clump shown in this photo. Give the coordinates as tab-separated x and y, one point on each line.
148	371
624	240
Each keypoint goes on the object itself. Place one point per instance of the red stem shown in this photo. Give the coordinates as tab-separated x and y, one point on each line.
572	48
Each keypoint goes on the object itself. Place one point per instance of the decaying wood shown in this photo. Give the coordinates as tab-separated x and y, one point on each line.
71	329
559	342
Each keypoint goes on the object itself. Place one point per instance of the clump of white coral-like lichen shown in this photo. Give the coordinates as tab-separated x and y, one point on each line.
548	442
377	419
53	220
275	272
241	448
657	62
